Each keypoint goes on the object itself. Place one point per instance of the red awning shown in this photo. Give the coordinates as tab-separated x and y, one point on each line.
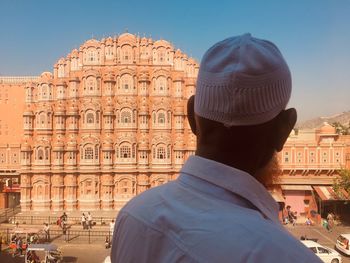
327	193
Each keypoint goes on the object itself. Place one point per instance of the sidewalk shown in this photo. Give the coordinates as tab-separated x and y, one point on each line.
74	217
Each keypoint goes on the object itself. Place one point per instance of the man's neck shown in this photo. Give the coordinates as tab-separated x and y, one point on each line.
230	160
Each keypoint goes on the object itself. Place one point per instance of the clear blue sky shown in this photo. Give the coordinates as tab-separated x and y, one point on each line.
313	35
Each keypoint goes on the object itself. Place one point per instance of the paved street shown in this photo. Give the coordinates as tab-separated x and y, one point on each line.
73	253
81	253
324	237
77	252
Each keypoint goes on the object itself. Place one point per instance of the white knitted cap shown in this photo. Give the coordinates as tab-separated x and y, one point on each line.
242	81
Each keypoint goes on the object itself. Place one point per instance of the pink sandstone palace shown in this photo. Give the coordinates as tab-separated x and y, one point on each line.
110	122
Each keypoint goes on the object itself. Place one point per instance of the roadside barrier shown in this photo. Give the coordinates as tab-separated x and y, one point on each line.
89	236
52	220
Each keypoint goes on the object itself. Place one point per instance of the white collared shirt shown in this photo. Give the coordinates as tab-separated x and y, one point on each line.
211	213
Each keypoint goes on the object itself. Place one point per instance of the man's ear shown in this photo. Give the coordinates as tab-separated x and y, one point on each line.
285	123
190	114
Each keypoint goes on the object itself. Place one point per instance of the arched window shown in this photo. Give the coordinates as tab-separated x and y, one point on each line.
109	52
90	84
161	56
161	84
60	72
40	191
87	188
88	153
91	55
161	118
44	91
125	186
126	53
161	152
89	118
126	81
74	64
40	154
125	151
126	116
42	118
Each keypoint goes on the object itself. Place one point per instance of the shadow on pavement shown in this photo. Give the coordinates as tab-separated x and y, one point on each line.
6	258
70	259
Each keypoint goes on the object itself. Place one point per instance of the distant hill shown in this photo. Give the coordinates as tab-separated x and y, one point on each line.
342	118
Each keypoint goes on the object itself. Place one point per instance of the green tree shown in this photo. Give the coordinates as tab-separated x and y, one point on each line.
340	128
342	182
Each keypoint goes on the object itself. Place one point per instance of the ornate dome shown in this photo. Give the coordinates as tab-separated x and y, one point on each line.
327	129
162	43
46	75
91	43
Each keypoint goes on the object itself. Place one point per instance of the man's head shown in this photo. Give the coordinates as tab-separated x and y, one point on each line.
238	113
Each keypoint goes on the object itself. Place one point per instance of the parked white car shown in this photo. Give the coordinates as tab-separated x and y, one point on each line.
343	243
326	254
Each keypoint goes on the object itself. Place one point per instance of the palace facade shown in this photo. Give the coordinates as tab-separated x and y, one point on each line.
109	123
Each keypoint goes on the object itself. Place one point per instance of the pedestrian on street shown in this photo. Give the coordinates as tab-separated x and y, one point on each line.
64	230
63	219
47	232
89	220
64	216
330	222
19	246
111	227
292	218
83	221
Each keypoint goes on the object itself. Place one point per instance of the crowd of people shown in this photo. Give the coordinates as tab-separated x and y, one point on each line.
290	217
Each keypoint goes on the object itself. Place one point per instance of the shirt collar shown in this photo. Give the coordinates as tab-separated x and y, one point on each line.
234	180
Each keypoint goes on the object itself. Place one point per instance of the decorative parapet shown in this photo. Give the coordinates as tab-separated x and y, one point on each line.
18	79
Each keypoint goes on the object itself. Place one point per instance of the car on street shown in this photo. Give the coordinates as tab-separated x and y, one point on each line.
326	254
343	243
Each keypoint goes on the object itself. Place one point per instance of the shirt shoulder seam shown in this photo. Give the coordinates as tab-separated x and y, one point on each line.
175	240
